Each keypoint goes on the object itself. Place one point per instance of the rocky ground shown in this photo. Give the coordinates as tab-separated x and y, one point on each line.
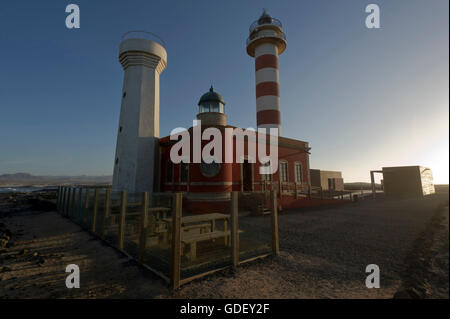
324	253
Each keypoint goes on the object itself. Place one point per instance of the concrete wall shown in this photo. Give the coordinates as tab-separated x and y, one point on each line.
413	181
319	178
427	181
315	177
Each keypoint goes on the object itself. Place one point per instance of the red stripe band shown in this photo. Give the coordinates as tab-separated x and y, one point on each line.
267	88
268	117
266	61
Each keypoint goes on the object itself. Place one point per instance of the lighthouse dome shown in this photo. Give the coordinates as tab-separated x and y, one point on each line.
211	109
211	96
265	18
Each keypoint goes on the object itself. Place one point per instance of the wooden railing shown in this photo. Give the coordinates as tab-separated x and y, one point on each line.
95	213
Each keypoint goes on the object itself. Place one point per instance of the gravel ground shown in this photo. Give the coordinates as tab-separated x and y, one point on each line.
324	253
427	263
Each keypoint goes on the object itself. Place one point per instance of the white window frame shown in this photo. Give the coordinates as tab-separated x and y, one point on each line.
298	164
266	177
284	162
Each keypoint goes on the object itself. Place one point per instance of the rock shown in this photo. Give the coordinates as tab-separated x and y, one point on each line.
402	294
5	237
3	242
5	232
415	293
5	269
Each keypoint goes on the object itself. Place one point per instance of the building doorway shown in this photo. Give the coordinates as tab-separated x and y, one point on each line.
247	176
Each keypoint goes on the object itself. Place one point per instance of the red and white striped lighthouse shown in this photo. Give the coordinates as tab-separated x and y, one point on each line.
265	43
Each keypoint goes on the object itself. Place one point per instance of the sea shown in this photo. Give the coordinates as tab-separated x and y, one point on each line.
25	189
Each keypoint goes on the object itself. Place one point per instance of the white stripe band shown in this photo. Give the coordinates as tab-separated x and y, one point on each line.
267	126
268	102
266	75
266	48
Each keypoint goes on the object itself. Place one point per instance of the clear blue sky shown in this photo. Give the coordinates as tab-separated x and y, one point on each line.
362	98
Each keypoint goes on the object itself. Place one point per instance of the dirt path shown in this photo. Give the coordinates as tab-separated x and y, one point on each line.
426	266
44	243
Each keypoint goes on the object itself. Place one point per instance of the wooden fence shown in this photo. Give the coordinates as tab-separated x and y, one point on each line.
77	204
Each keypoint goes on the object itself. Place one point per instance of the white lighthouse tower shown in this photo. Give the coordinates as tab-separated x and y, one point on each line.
265	43
143	61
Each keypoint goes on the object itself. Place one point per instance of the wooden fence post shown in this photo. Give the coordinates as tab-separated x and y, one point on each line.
144	227
123	211
234	209
63	207
66	211
72	204
58	198
94	211
66	194
63	201
176	241
86	205
107	212
79	206
280	187
274	219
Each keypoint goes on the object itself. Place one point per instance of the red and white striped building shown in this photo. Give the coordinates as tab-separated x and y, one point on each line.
265	43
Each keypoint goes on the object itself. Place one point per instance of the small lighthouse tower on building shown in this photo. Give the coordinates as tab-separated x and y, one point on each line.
265	43
143	61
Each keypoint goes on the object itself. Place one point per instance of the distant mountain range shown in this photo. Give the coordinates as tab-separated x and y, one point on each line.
26	179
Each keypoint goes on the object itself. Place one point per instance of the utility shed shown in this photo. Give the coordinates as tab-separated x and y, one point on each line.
408	181
328	180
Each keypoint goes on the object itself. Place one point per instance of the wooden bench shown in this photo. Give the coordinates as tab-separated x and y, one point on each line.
203	227
192	240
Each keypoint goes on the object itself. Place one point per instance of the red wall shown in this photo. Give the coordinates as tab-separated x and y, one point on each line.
230	172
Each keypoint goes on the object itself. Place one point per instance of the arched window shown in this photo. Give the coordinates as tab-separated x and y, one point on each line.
284	171
266	177
298	172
